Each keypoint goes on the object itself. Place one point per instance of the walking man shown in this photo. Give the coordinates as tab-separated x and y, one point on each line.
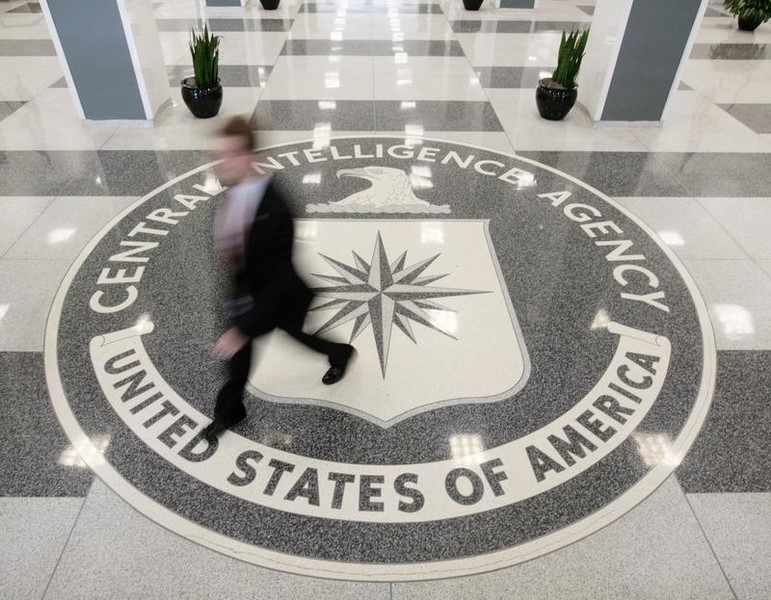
255	234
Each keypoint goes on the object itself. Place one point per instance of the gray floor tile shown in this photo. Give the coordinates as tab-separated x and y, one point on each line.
437	116
755	116
88	173
738	527
511	77
8	107
37	458
655	551
61	83
18	214
731	51
29	7
616	173
34	532
28	289
231	75
711	12
307	115
224	24
730	454
719	173
27	48
65	226
407	9
146	561
296	47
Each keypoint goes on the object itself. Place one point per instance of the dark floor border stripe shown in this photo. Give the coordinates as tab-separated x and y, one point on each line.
125	173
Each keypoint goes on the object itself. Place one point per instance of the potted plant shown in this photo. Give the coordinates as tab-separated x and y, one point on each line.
557	94
472	4
270	4
751	13
202	93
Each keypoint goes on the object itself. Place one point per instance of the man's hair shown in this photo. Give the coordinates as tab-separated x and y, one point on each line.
241	128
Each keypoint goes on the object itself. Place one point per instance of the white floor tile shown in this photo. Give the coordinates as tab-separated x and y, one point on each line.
177	129
426	78
765	265
18	213
26	76
65	226
657	551
34	532
686	227
329	26
737	294
23	26
411	27
519	116
748	220
236	47
320	78
730	81
49	122
695	124
738	527
723	30
28	289
146	561
511	49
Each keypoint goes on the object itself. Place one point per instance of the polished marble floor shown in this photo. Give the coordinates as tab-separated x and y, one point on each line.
95	505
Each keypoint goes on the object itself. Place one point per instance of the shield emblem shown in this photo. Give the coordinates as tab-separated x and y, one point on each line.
422	301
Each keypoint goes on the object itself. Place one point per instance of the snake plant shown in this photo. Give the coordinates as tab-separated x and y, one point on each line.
758	11
204	48
571	53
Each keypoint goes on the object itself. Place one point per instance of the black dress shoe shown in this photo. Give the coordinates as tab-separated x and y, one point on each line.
336	372
213	430
217	427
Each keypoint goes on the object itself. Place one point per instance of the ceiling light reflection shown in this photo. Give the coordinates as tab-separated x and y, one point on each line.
57	236
656	448
466	449
735	321
92	450
671	238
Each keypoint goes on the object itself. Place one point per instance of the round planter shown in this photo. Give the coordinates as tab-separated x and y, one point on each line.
202	102
746	24
472	4
270	4
554	103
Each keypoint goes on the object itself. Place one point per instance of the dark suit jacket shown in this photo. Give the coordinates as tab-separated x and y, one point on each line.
268	274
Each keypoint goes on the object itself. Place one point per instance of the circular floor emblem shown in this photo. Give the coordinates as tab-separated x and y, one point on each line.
532	362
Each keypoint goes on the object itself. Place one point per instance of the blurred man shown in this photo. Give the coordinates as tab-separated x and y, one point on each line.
255	233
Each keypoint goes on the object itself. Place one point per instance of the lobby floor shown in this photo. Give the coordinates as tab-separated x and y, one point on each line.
527	416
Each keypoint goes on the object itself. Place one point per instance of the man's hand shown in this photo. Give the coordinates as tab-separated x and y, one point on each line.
230	343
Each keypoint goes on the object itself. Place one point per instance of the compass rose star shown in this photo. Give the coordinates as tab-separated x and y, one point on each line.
382	294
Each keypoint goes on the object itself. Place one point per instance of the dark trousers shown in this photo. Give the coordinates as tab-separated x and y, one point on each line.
230	400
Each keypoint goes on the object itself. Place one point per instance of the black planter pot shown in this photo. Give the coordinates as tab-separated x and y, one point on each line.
202	102
472	4
554	103
270	4
746	24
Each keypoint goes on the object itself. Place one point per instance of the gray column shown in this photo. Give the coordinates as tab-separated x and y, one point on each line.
635	56
111	57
